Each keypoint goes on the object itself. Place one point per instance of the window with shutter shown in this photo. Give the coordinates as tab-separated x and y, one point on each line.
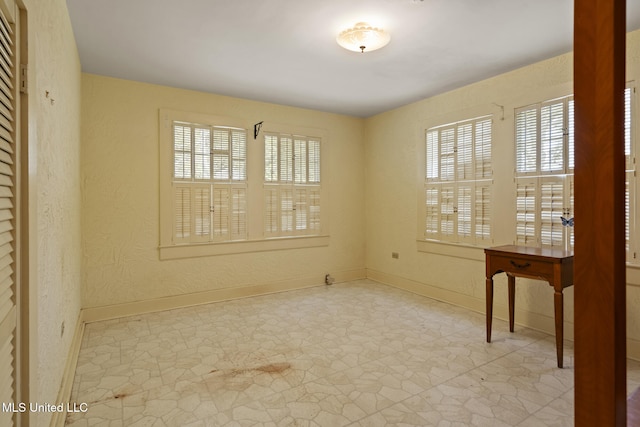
210	204
458	181
292	205
544	164
209	183
545	151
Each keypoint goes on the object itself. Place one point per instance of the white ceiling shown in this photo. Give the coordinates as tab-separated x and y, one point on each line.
284	51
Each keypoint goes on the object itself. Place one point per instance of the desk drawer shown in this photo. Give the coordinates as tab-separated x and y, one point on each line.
522	266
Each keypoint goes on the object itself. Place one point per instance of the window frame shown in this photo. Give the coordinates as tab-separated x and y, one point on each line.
461	180
538	177
256	240
209	175
543	227
292	188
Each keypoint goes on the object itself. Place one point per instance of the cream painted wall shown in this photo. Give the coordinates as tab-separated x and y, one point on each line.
116	167
381	154
394	152
120	187
54	185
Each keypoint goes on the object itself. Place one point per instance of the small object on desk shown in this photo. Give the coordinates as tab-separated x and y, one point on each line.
549	264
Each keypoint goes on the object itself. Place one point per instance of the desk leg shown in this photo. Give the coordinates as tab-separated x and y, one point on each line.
489	302
511	283
558	300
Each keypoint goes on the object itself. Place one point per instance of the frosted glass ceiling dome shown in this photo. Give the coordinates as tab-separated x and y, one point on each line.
363	37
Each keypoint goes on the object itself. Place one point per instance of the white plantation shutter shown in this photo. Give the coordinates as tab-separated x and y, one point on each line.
540	202
569	213
301	210
447	211
182	214
483	166
627	210
552	125
526	212
314	162
238	218
286	159
182	151
458	172
483	212
201	203
292	204
630	175
202	153
552	207
300	161
545	147
464	150
314	211
464	216
210	162
286	210
221	145
192	213
271	223
526	140
447	154
572	135
627	125
432	218
433	157
270	158
220	213
238	155
8	307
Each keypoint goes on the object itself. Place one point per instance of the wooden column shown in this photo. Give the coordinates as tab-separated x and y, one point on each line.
599	264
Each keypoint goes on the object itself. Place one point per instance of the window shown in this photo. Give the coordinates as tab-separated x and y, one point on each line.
544	172
458	182
544	137
222	192
209	183
291	185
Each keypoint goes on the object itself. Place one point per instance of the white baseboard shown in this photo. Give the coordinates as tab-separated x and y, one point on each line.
94	314
64	394
633	349
500	311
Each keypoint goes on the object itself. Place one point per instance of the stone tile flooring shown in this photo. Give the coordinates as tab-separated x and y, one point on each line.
351	354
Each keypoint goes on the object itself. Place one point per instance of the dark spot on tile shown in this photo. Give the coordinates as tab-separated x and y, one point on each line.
274	368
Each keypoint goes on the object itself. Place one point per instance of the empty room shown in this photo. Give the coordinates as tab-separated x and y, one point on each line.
279	213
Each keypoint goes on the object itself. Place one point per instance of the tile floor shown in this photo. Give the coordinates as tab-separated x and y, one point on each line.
351	354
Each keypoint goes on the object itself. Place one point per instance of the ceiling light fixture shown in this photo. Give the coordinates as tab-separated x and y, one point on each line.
363	37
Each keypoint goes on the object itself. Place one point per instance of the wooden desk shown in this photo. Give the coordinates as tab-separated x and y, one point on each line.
552	265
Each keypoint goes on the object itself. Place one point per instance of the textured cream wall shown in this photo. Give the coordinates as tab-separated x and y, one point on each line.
394	152
120	188
119	175
54	163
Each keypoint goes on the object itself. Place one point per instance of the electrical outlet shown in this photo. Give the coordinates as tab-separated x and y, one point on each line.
395	255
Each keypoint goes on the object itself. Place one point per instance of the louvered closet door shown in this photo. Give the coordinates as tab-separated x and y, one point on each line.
8	308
